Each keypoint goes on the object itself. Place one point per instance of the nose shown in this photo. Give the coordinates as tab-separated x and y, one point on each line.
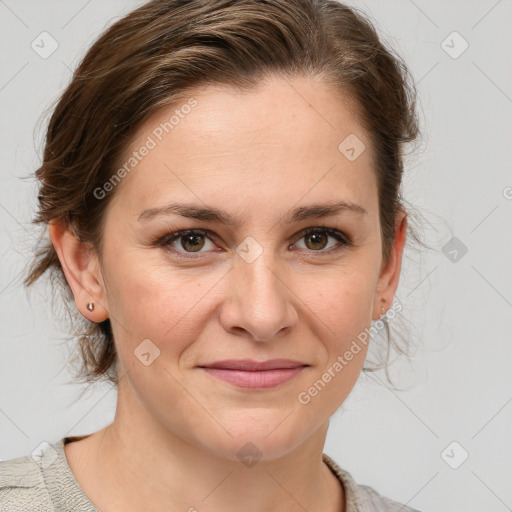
260	301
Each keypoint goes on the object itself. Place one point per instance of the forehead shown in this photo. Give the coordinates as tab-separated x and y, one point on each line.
280	140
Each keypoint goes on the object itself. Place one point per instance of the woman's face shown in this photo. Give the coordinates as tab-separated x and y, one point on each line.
256	288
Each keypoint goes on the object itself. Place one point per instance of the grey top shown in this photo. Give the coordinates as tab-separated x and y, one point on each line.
44	482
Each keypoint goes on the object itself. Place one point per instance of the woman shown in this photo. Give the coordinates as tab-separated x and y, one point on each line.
221	188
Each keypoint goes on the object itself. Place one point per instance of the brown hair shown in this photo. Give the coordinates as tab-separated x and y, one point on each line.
159	52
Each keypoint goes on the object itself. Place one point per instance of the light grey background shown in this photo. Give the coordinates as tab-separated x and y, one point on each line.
458	388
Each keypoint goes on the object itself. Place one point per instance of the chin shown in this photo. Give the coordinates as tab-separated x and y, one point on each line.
250	449
260	437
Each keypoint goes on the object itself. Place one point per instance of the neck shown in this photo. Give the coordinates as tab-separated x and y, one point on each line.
136	464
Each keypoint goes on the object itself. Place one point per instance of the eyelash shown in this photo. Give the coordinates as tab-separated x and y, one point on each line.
167	240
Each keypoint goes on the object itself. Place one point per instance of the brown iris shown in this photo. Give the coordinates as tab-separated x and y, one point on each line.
319	240
194	242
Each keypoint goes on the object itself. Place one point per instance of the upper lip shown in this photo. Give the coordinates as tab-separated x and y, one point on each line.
251	365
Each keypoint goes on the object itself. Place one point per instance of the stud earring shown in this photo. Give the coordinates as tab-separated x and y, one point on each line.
90	306
383	300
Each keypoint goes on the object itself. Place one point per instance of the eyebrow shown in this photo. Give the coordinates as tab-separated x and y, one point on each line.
192	211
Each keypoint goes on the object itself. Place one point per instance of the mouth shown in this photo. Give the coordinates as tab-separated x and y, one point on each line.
253	374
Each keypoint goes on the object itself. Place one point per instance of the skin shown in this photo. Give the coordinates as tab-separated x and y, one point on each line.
177	430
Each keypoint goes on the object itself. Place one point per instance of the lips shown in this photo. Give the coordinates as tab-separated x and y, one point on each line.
253	374
253	366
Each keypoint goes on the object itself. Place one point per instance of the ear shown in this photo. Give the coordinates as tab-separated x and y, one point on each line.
390	273
81	267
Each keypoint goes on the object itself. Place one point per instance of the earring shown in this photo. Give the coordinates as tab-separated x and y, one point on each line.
382	307
90	306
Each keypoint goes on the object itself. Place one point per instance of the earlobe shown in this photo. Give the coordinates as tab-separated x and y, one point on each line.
82	270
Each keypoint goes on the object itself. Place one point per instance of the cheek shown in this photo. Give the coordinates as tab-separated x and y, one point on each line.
340	307
342	300
154	302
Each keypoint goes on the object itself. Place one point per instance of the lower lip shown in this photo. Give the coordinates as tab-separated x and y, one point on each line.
263	379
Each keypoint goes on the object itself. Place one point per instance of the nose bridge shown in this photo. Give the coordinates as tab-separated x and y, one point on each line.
259	276
261	300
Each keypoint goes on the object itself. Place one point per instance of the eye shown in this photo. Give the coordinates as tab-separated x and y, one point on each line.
316	240
188	241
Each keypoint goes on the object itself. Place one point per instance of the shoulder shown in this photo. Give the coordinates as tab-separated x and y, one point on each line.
22	483
362	498
376	502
